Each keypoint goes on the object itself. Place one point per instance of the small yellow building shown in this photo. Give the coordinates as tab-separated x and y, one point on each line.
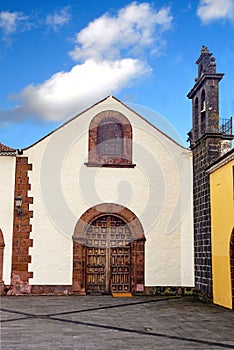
222	231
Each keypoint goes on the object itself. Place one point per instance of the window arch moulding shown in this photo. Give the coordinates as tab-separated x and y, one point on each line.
110	141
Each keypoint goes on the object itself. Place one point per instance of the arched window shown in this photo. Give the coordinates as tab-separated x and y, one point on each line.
110	140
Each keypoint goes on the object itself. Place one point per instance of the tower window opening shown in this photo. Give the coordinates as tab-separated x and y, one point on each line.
203	112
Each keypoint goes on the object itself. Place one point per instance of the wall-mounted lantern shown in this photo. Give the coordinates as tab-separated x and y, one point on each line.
18	204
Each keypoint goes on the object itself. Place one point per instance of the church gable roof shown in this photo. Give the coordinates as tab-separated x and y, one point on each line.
107	100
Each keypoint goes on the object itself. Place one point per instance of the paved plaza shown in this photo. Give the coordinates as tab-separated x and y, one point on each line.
108	323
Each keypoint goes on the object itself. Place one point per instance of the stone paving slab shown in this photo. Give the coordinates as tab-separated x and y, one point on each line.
104	322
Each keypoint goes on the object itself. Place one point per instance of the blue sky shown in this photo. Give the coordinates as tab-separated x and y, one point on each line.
57	58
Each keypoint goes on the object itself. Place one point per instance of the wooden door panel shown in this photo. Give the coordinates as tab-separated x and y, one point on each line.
120	269
95	269
108	255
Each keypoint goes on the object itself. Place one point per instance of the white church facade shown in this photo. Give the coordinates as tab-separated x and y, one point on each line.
102	204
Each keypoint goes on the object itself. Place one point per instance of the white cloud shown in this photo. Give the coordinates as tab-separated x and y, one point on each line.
14	22
11	21
67	92
136	27
110	51
211	10
58	19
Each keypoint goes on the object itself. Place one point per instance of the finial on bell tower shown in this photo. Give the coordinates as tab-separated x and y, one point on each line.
206	62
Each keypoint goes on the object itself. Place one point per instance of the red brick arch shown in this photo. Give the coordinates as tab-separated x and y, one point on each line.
95	159
79	244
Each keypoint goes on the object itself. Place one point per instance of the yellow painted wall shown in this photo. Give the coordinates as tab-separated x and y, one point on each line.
222	222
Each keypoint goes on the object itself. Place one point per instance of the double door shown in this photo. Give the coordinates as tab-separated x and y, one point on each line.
108	256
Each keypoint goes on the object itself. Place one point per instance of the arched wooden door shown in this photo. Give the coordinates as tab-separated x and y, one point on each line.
108	255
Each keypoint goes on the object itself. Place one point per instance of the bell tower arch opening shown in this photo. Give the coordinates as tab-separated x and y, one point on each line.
203	113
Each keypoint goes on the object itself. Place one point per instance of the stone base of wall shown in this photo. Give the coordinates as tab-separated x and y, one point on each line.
19	284
51	290
25	289
203	296
178	291
57	290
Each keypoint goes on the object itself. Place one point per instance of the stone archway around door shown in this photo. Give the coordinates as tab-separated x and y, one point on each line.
108	251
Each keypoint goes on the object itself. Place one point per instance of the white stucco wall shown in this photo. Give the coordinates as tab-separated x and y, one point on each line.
158	190
7	187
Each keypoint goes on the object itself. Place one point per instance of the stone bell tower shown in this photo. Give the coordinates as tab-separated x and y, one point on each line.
208	135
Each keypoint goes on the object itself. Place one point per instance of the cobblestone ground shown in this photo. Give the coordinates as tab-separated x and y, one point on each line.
107	323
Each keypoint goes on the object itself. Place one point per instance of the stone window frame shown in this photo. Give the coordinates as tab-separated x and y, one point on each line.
95	159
